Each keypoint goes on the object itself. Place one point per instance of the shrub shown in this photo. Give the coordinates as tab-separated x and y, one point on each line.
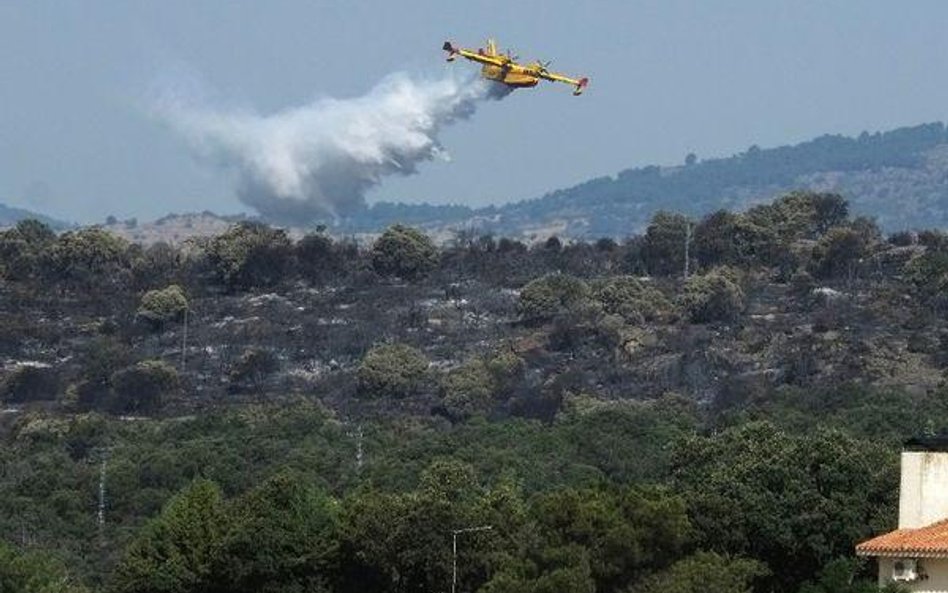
249	254
552	295
724	238
394	370
319	258
141	387
29	382
712	297
21	247
630	298
801	215
663	250
160	306
505	367
404	252
88	257
837	252
467	389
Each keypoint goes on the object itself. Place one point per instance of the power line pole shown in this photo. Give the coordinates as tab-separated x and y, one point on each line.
454	556
184	341
100	511
359	452
358	434
687	247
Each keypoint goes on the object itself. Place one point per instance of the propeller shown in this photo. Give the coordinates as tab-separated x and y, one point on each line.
544	66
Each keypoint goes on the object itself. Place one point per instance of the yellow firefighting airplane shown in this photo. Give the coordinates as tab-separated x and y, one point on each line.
503	68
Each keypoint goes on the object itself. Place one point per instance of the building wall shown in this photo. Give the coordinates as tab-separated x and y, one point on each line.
923	494
936	569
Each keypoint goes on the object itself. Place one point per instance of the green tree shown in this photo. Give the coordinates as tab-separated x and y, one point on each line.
141	387
632	299
505	368
29	382
626	532
280	537
320	259
552	295
843	576
829	210
100	360
794	502
34	572
22	247
175	553
704	572
249	255
404	252
838	253
545	570
467	389
157	263
392	370
664	248
928	274
88	258
163	305
629	443
724	238
34	232
713	296
403	542
800	215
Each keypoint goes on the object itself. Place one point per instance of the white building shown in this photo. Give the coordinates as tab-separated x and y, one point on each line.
916	554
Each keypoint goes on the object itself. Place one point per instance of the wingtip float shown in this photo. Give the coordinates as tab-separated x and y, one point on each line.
505	69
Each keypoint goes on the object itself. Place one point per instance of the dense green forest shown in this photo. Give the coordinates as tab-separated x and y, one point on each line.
714	405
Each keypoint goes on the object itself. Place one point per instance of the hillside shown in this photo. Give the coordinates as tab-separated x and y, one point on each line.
363	397
10	215
899	177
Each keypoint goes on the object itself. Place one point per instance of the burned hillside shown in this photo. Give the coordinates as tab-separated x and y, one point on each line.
795	295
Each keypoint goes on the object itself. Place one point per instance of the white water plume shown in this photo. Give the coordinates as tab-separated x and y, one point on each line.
318	160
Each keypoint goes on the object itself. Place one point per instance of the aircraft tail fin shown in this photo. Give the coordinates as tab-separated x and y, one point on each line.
452	51
581	86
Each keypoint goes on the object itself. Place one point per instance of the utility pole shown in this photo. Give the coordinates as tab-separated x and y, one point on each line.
687	246
359	452
184	341
100	511
454	556
359	435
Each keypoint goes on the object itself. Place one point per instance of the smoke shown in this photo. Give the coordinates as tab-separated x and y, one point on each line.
319	160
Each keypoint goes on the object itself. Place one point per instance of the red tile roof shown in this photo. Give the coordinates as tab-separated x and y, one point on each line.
929	541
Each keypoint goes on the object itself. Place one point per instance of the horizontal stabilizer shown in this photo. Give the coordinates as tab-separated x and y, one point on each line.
581	86
452	51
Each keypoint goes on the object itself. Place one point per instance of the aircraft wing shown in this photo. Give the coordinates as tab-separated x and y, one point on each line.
474	56
579	84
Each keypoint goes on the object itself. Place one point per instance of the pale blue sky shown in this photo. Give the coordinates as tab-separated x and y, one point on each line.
668	77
